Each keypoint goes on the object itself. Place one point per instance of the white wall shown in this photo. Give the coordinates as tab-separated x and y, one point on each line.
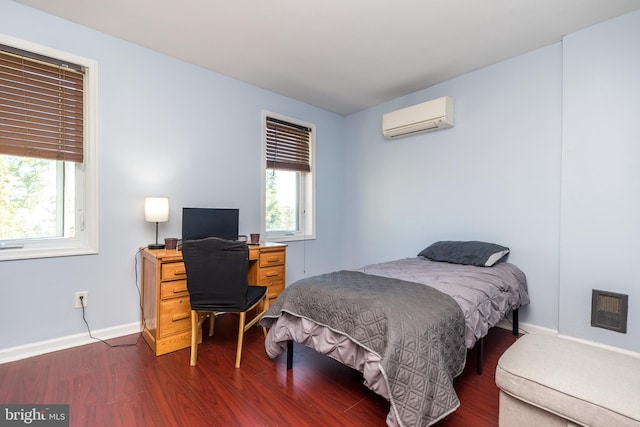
601	176
166	128
494	176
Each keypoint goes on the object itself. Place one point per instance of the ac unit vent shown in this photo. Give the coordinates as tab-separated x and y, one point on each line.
609	310
425	117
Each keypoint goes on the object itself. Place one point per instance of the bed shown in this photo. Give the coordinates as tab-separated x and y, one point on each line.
404	324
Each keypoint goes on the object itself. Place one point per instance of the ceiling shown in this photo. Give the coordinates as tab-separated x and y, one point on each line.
339	55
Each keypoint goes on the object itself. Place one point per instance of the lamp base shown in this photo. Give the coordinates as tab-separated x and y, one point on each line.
155	246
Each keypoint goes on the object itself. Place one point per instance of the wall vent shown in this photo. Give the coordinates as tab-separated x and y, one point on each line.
609	310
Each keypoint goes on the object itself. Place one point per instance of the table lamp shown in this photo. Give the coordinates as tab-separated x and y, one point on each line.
156	209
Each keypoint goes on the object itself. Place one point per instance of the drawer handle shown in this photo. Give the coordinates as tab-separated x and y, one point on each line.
273	274
273	260
179	290
180	272
177	317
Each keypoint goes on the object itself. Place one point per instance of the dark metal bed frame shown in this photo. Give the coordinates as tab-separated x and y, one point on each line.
479	345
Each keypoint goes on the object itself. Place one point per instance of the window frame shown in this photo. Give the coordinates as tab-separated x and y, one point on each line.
85	241
306	186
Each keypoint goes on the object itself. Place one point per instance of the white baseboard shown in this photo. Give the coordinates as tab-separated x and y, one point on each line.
34	349
534	329
527	328
603	346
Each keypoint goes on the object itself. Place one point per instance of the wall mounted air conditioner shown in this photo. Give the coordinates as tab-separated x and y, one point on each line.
427	116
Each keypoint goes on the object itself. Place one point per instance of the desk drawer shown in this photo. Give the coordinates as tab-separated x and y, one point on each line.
173	271
175	316
268	259
271	275
274	289
176	288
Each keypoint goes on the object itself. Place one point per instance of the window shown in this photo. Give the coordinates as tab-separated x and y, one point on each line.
288	187
48	181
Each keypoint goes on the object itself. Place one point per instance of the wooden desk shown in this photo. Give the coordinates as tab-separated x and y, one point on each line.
165	299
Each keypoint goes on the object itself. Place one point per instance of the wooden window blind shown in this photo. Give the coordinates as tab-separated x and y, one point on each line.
41	107
288	146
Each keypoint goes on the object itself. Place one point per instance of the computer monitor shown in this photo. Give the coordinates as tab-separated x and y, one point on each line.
198	223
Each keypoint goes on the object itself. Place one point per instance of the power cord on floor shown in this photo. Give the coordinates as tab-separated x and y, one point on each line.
99	339
84	319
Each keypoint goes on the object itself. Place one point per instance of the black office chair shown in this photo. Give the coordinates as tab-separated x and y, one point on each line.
217	282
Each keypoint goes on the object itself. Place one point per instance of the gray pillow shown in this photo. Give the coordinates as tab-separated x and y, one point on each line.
481	254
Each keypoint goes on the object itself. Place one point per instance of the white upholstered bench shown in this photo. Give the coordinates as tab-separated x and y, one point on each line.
550	381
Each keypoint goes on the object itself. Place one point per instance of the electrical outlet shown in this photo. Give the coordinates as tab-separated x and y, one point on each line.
85	299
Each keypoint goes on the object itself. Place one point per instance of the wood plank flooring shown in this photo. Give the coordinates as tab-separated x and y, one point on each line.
129	386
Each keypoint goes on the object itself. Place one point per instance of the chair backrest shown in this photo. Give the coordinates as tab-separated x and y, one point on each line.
216	272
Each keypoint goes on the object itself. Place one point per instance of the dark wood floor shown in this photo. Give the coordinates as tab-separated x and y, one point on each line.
129	386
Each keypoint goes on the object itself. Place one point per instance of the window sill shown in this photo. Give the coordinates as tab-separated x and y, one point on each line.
33	253
283	239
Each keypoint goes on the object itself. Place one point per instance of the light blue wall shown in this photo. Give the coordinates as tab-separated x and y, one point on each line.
494	176
601	176
543	158
166	128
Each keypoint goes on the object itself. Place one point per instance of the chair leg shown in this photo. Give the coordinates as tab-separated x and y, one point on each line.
212	322
243	316
266	307
194	337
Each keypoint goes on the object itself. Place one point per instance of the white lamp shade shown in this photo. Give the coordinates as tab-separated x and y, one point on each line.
156	209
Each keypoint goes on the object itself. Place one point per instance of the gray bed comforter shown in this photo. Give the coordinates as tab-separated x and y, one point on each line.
417	332
485	294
